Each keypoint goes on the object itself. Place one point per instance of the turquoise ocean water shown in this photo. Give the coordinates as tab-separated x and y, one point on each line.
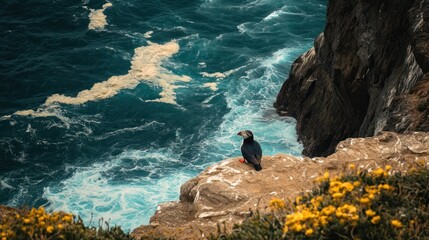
106	108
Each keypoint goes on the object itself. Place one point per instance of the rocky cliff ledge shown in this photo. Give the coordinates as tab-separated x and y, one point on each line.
226	191
367	72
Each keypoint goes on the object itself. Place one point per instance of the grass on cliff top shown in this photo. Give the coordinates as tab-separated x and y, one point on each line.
361	205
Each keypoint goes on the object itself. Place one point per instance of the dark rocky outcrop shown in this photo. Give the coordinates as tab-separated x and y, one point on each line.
367	72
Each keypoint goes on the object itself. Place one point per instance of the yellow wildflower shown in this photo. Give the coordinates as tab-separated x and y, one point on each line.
67	218
369	213
347	209
298	227
375	219
348	186
49	229
334	189
352	166
323	220
385	187
326	175
60	226
329	210
364	200
285	229
316	201
337	195
388	167
276	203
372	189
396	223
309	232
26	220
355	217
356	183
379	172
335	184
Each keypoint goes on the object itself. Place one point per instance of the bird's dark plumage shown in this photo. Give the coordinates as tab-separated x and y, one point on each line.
251	150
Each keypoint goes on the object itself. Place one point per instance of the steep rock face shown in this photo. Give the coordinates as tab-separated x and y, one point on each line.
367	72
224	192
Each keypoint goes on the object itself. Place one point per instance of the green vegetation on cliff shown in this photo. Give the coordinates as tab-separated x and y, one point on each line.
39	224
359	205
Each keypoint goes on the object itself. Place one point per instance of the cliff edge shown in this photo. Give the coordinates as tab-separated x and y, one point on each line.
367	72
225	192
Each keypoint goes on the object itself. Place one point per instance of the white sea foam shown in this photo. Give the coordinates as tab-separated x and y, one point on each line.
148	34
145	66
4	184
202	65
125	130
207	100
94	193
273	15
242	28
97	18
213	75
285	10
211	85
220	75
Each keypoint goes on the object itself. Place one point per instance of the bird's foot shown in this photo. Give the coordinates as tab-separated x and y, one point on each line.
242	160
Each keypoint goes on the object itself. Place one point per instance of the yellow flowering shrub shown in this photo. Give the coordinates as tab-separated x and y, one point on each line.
276	203
378	204
37	223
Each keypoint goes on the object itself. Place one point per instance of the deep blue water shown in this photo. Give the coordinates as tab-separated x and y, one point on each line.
117	157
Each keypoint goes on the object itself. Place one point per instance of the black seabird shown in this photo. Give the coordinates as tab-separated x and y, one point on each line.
250	149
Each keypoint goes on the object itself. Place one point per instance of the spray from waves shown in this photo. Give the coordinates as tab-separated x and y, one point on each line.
97	18
145	66
124	190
